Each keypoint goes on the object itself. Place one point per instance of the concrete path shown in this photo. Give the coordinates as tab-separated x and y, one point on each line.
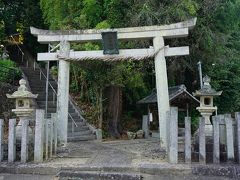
139	157
25	177
121	152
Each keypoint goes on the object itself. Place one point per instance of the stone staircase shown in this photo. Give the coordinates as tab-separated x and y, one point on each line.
78	130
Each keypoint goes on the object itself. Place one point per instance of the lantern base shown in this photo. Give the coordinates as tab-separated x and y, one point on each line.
23	112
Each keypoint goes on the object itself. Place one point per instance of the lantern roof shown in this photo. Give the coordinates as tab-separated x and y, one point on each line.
207	89
22	92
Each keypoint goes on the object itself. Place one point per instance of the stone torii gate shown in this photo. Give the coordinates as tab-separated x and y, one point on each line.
159	51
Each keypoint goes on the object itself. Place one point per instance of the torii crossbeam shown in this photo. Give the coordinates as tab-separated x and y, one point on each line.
159	52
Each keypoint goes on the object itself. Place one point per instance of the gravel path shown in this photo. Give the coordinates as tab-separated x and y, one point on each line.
120	152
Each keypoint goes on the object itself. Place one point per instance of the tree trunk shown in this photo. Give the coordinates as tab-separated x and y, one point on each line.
114	109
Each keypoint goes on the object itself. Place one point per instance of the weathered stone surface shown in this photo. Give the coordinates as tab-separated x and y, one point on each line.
188	152
24	141
63	93
46	127
139	134
55	130
51	138
131	135
173	136
162	88
172	30
237	116
202	141
12	140
216	140
229	137
214	171
145	125
98	175
39	130
1	139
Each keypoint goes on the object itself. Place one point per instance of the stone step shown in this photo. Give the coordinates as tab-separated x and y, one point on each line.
83	132
79	124
84	175
50	100
51	103
37	81
74	114
42	94
31	70
77	119
54	109
82	138
78	129
42	98
79	133
42	86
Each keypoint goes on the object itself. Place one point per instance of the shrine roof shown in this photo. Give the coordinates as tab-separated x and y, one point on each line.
174	92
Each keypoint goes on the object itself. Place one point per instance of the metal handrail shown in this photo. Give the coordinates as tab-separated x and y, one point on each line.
19	48
41	72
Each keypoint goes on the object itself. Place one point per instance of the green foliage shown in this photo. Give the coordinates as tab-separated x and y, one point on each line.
225	76
2	31
16	17
103	25
54	72
215	39
8	71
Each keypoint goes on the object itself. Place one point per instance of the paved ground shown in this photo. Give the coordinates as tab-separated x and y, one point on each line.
25	177
121	152
140	157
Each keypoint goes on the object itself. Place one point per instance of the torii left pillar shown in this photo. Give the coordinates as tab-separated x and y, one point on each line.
63	92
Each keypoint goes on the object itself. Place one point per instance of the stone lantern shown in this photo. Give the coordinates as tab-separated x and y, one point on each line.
206	94
24	112
23	100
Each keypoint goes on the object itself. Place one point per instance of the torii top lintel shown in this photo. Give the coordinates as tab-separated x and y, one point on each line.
167	31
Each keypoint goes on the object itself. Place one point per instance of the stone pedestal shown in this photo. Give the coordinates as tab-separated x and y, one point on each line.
19	129
208	125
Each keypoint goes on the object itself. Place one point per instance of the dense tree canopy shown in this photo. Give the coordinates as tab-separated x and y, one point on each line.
16	17
214	40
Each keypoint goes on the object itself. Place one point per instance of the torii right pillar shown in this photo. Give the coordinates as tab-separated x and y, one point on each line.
162	83
162	88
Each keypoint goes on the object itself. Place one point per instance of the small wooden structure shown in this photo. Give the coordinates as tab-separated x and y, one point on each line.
178	97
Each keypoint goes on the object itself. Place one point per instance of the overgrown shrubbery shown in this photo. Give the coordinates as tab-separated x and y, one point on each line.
9	73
